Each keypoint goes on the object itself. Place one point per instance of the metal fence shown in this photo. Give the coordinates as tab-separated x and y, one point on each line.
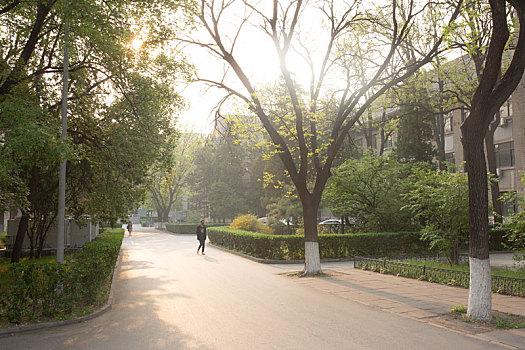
501	285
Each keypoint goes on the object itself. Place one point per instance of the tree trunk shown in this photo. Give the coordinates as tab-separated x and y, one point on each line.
24	220
311	239
480	295
491	164
20	235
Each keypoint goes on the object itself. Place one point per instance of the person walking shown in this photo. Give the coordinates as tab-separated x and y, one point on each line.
201	236
129	227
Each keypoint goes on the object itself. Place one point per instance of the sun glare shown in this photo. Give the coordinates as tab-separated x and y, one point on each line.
136	44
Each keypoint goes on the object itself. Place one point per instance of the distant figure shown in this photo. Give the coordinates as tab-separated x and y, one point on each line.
129	227
201	236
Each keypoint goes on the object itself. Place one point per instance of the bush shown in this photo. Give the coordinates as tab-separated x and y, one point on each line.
31	290
498	239
189	228
331	246
249	222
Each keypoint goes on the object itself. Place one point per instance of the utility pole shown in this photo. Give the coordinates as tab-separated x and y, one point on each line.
62	172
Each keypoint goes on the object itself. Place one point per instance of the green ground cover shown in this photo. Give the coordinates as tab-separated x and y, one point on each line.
511	272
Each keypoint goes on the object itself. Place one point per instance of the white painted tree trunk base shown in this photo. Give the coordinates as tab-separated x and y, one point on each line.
312	260
480	291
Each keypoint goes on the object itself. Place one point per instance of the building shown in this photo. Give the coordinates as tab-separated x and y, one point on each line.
509	140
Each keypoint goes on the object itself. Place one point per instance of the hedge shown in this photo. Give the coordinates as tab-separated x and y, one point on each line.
29	290
282	247
189	228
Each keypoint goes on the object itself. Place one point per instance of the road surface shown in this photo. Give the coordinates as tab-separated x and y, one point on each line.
168	297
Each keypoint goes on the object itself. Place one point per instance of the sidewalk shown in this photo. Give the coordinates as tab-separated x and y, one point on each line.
424	301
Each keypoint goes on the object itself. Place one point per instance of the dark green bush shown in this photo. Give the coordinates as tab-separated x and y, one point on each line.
331	246
498	241
32	290
189	228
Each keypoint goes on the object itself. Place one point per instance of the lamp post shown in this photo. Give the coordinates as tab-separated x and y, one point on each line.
61	213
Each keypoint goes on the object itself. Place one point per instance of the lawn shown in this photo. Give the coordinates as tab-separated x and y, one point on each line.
510	272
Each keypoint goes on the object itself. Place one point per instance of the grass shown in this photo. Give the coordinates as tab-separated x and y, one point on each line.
496	271
499	320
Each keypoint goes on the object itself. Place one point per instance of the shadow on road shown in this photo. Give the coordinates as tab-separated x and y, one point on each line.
136	320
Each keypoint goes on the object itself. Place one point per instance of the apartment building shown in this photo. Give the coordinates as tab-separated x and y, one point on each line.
509	139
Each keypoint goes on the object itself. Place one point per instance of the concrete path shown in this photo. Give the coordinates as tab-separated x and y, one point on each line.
168	297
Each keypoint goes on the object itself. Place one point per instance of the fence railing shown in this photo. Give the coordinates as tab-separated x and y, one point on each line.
500	284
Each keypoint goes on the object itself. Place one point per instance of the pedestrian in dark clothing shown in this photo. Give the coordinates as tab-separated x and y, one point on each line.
130	227
201	236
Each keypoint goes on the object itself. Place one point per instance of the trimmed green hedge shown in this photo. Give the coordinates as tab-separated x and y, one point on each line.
331	246
29	290
189	228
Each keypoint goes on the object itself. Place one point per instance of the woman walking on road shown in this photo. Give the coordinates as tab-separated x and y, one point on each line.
201	236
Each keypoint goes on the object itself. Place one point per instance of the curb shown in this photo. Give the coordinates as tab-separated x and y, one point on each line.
274	261
99	312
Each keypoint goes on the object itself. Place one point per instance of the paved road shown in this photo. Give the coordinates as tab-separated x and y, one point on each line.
168	297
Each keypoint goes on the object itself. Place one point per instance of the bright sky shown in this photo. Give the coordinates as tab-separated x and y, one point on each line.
257	56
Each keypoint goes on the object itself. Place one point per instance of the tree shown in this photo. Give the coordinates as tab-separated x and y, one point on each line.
415	133
218	180
169	180
102	65
440	199
370	190
352	29
493	90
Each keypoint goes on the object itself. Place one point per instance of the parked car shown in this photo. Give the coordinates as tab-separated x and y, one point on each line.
331	222
335	225
264	220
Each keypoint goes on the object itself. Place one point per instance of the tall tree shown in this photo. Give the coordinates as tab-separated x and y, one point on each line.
493	90
365	77
119	102
169	180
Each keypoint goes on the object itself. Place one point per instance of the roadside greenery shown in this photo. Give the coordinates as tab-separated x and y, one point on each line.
464	266
291	247
439	199
31	291
121	108
188	228
499	319
515	226
504	281
249	222
370	190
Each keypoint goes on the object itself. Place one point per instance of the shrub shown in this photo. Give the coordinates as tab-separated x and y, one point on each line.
249	222
288	247
32	290
189	228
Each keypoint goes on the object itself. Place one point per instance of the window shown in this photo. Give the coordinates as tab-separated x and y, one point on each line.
506	110
505	154
449	122
464	114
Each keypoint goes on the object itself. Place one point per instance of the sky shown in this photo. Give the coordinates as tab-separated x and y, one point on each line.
257	56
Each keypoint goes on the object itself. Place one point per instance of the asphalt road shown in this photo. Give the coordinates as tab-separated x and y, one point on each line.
168	297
